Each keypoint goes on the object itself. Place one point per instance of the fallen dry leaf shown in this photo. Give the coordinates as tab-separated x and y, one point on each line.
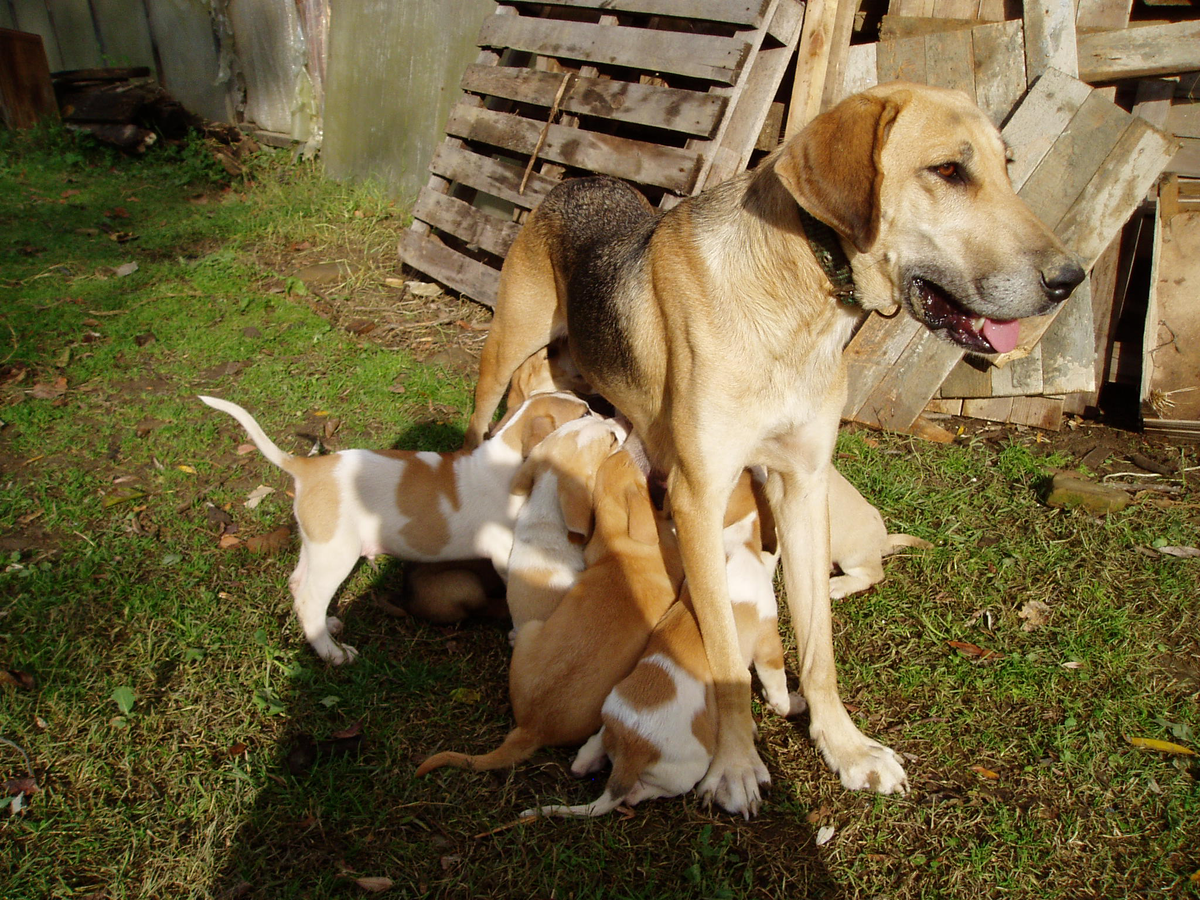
1180	552
374	885
127	269
1161	746
1035	613
985	773
228	542
825	834
422	289
975	651
188	469
43	391
271	542
350	732
15	678
243	449
257	495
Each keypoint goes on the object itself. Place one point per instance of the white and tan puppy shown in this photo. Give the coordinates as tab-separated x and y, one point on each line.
555	522
660	722
564	667
858	539
412	505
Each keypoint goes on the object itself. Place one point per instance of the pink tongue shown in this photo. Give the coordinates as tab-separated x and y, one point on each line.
1002	336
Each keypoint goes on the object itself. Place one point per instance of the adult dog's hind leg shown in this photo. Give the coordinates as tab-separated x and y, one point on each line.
799	500
526	319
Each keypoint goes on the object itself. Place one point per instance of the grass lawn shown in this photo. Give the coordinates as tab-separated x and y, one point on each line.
183	741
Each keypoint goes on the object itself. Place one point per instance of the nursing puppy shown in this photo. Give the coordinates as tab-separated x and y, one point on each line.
556	520
564	667
858	539
413	505
660	722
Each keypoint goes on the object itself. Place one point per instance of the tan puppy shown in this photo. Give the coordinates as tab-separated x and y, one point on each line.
858	539
556	520
550	369
717	329
660	721
564	667
407	504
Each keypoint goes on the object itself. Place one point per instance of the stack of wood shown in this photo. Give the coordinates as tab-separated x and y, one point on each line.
676	95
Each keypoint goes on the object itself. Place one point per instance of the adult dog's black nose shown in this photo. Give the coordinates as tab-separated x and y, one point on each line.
1060	279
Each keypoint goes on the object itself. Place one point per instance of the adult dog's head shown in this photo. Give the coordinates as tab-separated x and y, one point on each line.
914	179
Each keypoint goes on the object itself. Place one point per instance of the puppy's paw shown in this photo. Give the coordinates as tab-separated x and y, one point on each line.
337	654
796	705
868	765
334	625
735	786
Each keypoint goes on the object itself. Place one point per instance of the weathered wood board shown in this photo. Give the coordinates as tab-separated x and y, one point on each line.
1171	350
667	94
1139	51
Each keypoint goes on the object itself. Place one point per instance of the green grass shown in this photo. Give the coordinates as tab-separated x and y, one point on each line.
171	682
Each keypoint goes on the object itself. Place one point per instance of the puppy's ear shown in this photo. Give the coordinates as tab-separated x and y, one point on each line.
832	166
538	430
522	483
643	527
575	500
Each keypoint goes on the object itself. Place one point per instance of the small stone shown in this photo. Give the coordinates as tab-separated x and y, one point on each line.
1068	492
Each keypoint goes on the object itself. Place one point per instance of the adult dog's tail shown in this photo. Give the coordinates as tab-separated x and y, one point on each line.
517	747
264	443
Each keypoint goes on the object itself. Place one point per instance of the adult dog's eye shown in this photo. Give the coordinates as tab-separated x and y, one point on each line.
950	171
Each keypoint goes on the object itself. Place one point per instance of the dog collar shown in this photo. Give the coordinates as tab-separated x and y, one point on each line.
827	247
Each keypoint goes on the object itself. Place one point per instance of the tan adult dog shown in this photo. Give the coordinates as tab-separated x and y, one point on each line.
716	331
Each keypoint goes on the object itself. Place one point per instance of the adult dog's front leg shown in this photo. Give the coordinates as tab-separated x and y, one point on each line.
800	503
736	771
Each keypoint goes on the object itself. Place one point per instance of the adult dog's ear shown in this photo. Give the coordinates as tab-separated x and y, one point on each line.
832	166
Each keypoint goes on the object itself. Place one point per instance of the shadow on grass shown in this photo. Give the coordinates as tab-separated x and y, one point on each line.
357	811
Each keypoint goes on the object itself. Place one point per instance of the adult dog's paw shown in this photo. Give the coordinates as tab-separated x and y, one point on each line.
735	785
868	766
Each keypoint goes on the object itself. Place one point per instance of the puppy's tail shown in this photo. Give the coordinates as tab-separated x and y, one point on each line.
520	744
264	443
624	785
895	541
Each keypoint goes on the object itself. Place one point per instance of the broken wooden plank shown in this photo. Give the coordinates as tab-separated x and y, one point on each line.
1171	351
1139	51
470	225
1071	162
1000	77
454	162
639	161
689	112
711	57
1068	348
1050	37
812	63
751	105
1102	15
839	53
461	273
1036	124
749	13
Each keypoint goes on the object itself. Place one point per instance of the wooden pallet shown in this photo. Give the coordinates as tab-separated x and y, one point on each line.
667	94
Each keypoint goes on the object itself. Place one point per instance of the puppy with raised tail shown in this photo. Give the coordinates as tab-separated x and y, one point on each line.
555	522
564	667
413	505
858	539
660	722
